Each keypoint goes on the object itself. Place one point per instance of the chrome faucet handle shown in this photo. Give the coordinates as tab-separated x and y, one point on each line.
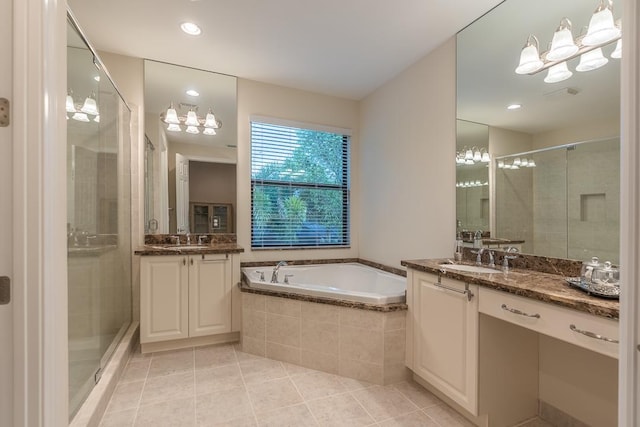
261	275
286	278
480	251
492	259
202	239
188	238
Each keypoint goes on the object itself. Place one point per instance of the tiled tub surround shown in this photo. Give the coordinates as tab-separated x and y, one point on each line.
364	344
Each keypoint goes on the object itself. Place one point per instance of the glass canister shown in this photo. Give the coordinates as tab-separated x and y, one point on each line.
606	275
588	267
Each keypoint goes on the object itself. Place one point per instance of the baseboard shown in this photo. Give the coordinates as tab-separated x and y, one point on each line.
151	347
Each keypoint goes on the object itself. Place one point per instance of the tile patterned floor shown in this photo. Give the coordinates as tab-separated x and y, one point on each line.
222	386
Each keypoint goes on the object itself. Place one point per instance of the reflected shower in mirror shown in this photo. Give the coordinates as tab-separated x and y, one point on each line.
190	157
527	113
472	176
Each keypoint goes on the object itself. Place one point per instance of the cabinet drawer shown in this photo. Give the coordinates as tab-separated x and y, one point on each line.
562	323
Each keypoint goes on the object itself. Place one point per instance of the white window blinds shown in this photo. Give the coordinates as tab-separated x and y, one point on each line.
299	187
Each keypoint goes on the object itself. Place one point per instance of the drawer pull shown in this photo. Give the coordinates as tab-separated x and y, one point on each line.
592	335
521	313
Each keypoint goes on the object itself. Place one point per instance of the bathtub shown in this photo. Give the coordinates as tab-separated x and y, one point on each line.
343	281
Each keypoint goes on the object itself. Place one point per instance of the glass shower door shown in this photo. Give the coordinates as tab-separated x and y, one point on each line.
98	218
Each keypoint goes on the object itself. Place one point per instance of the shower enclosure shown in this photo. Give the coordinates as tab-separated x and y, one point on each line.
98	216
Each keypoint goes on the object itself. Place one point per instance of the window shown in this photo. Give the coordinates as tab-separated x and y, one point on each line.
299	186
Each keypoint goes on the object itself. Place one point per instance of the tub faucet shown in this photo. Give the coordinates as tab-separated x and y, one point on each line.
274	275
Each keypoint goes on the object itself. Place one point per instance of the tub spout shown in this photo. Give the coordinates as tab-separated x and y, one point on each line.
274	275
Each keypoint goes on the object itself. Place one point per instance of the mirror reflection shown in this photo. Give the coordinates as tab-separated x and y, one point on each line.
528	114
190	151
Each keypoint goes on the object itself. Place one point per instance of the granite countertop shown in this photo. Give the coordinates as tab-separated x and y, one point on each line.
215	248
546	287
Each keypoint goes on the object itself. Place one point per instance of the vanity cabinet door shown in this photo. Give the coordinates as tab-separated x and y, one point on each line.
445	337
164	298
209	294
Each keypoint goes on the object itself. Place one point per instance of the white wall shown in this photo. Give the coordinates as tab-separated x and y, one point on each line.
407	152
262	99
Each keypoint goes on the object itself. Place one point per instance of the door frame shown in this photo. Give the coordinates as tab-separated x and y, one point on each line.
39	236
628	368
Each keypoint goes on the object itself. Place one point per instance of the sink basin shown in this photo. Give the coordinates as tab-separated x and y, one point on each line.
469	268
181	247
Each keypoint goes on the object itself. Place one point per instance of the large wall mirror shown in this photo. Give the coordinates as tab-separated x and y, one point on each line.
553	161
190	150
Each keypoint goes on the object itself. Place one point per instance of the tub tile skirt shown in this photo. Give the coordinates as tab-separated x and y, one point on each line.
362	344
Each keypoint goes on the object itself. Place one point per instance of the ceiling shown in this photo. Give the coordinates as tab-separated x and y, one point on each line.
335	47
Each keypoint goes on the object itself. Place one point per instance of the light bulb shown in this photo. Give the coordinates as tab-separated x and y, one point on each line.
171	117
558	73
71	108
90	106
192	129
591	60
81	117
500	164
486	158
192	119
617	52
210	120
468	155
529	57
209	131
517	161
601	29
477	156
173	127
562	44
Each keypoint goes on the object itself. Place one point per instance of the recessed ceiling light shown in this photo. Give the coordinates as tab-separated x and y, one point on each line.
190	28
192	92
96	78
514	106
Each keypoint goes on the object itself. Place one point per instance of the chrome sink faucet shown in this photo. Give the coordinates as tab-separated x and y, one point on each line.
492	259
274	275
479	257
507	257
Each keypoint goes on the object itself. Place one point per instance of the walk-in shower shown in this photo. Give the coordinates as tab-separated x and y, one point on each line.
98	216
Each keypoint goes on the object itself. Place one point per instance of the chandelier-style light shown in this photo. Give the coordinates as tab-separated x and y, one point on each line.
602	31
191	122
517	163
471	156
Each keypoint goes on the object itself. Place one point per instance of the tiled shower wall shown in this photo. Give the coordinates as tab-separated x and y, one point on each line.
361	344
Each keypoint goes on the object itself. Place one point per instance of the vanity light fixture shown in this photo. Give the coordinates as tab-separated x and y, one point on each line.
192	122
602	28
602	31
82	113
473	155
81	117
191	28
558	73
591	60
517	163
617	52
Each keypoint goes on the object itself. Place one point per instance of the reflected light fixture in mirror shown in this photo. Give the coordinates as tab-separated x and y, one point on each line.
191	121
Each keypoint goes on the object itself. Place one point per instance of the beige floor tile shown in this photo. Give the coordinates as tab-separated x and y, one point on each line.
273	394
339	410
293	370
413	419
319	384
258	371
125	396
216	379
352	384
248	421
136	370
535	423
214	356
446	416
172	362
384	402
290	416
168	387
172	413
420	396
119	419
223	407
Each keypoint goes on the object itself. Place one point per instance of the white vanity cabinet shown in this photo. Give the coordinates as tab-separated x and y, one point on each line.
185	296
442	335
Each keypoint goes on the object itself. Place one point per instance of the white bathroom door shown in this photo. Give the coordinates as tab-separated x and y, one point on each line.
6	229
182	193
